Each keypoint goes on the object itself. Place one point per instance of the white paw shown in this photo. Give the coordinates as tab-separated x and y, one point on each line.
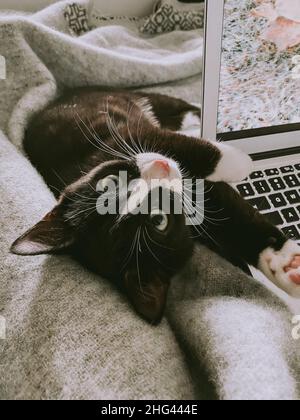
283	267
191	120
191	125
234	165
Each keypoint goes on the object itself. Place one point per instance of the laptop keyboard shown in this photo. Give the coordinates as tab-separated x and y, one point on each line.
276	193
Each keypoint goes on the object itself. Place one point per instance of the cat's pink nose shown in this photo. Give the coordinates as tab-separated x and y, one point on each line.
163	164
295	278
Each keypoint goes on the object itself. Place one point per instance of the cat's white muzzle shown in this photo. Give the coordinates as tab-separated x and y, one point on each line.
155	166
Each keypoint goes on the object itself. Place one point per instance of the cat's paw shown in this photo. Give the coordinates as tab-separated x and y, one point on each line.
283	267
234	165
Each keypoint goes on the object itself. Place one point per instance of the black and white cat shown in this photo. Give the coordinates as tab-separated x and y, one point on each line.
88	136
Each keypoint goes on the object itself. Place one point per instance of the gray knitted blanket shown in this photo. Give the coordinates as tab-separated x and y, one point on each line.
70	334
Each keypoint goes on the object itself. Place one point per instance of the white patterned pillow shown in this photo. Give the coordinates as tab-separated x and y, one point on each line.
167	18
76	17
98	20
80	20
99	15
178	5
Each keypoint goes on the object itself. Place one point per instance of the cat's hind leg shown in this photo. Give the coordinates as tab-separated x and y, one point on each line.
173	113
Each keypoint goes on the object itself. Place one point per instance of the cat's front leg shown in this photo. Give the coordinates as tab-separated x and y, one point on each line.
283	267
242	233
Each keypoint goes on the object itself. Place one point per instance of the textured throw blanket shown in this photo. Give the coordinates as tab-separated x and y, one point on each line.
69	333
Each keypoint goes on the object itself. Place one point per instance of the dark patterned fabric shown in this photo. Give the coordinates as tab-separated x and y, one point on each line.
76	16
167	19
103	20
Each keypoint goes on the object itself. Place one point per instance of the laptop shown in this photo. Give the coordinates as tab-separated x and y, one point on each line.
251	100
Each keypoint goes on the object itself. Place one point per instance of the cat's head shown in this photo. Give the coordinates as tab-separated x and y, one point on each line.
140	249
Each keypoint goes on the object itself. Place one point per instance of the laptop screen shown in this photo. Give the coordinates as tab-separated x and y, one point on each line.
259	92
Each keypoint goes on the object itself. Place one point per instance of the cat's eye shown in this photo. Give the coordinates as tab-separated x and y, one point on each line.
159	220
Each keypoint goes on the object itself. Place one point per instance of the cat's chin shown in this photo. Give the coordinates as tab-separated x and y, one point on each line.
283	267
234	165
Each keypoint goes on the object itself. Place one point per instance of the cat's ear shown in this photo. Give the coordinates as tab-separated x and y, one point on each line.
148	297
50	235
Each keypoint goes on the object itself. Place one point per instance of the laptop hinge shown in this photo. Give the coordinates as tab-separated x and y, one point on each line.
275	153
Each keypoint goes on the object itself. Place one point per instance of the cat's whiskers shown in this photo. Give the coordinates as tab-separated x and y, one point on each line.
52	187
86	182
206	191
184	172
204	232
81	201
87	138
154	255
83	173
91	212
202	216
101	145
59	177
201	226
156	243
99	140
130	253
138	251
114	132
74	215
188	199
129	153
137	143
190	205
189	210
138	133
73	193
115	226
145	293
83	206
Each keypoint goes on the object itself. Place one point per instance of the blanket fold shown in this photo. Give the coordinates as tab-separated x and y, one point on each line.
39	51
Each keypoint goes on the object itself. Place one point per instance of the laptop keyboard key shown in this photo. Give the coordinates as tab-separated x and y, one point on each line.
272	172
260	203
292	181
290	215
246	190
293	197
278	200
276	188
257	175
262	187
291	232
274	218
277	184
287	169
